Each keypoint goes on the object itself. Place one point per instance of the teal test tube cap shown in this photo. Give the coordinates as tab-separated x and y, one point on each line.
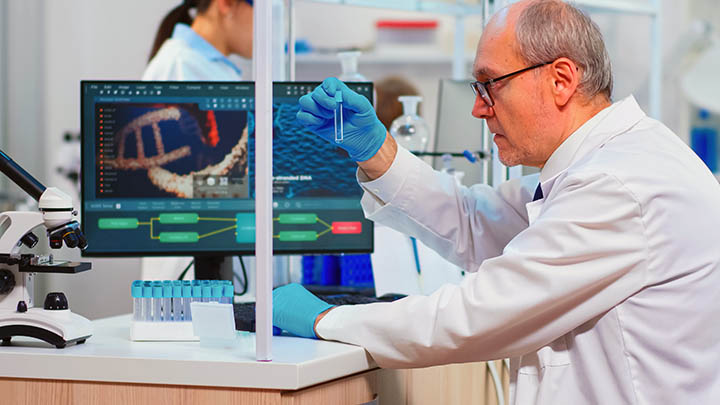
157	291
228	290
197	291
217	291
167	290
137	289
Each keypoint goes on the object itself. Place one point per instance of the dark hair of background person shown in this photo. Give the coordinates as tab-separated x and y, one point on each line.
387	105
180	14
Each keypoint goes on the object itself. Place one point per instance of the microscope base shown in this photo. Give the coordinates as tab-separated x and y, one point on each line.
58	328
7	333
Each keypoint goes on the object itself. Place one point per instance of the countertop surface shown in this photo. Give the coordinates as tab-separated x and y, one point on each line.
109	355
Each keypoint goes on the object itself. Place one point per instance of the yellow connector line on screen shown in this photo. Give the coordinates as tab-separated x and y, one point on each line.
229	228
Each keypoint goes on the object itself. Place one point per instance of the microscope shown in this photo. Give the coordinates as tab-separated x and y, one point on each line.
54	323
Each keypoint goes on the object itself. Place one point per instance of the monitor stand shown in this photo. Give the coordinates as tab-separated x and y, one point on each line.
214	268
224	268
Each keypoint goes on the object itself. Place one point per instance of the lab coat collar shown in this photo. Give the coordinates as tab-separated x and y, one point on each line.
184	33
611	121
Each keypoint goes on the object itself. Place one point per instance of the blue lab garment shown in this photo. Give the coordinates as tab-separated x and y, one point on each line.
363	135
295	310
186	56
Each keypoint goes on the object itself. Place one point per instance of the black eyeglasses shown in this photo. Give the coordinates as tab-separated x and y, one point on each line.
481	88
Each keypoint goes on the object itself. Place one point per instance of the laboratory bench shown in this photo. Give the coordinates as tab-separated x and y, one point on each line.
111	369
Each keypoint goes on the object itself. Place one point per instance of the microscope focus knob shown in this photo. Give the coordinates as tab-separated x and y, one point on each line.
7	281
29	240
56	301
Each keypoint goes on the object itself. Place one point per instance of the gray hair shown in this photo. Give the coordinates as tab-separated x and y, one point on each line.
550	29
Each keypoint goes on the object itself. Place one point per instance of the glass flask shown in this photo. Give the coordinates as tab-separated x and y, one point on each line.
349	63
409	129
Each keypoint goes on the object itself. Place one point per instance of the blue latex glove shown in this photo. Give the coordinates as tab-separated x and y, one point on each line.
364	134
295	310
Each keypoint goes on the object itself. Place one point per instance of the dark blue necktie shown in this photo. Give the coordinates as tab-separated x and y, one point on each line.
538	193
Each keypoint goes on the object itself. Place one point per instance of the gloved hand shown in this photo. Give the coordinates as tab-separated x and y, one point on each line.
363	132
295	310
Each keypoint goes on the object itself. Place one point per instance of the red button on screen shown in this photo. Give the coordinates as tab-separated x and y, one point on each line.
347	227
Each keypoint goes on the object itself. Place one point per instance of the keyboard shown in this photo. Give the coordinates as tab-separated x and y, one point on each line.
245	311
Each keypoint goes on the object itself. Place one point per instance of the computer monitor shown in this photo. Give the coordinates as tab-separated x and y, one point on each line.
168	170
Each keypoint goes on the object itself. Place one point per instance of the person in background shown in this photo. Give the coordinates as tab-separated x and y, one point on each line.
188	49
599	278
388	90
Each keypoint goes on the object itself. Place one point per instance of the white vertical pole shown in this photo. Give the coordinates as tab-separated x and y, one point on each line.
655	75
485	129
278	42
499	169
3	76
486	148
262	67
515	171
458	62
291	39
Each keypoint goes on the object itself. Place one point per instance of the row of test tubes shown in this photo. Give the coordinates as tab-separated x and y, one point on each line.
169	300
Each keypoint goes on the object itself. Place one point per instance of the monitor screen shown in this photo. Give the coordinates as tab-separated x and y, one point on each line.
168	169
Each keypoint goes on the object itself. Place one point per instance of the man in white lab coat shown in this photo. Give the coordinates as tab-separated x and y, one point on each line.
601	281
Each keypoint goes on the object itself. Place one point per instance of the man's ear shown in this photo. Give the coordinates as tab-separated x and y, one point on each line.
565	76
225	6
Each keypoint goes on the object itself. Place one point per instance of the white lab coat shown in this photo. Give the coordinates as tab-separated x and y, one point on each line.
607	291
186	56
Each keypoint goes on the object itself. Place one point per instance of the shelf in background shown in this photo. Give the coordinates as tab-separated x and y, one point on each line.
437	7
422	55
642	7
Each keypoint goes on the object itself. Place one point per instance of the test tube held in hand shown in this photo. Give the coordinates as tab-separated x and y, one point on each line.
338	110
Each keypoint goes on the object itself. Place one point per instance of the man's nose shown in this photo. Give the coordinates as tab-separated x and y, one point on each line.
481	109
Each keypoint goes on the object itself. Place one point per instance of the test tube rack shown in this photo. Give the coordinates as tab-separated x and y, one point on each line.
161	309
